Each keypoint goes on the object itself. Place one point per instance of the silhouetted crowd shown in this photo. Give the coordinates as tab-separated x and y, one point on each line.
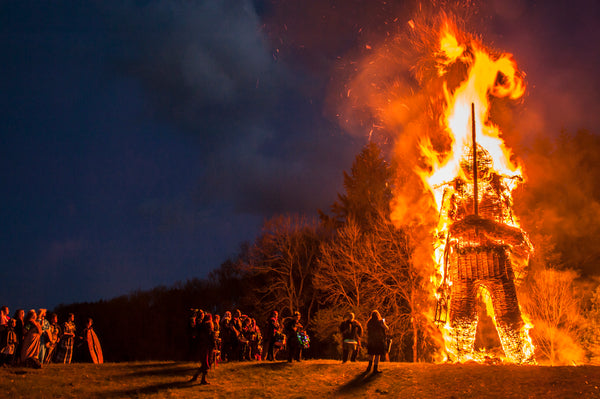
33	339
237	337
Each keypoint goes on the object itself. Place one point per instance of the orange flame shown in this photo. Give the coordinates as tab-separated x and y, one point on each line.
418	88
488	76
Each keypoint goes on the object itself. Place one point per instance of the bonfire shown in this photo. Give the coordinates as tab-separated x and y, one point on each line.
480	247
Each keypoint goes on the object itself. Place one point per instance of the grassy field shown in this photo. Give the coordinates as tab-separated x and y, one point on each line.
308	379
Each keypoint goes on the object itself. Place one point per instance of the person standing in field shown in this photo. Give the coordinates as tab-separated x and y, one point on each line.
64	352
30	349
270	337
217	325
227	335
376	335
43	321
206	344
8	343
238	340
53	336
351	331
217	331
291	328
191	333
4	321
255	340
4	317
19	330
89	348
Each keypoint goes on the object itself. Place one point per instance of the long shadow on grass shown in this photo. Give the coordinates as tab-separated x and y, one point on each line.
171	369
360	381
150	389
176	370
270	365
150	365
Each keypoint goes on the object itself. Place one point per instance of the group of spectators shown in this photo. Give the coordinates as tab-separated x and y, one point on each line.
32	339
237	337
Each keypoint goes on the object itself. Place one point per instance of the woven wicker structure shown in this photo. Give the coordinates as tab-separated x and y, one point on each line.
478	254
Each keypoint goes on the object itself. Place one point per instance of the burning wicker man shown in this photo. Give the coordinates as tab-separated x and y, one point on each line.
482	248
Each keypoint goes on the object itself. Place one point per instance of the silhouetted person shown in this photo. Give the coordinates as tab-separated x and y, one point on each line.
218	342
19	316
351	332
191	334
252	333
238	340
8	343
89	345
271	336
53	337
291	328
4	317
376	336
64	351
206	344
228	335
30	349
45	324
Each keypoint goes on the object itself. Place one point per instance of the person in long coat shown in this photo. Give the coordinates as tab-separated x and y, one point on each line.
270	337
54	333
45	324
19	316
8	343
88	346
64	351
376	336
30	349
291	328
351	331
206	344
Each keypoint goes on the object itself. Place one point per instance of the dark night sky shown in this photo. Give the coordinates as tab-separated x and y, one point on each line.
143	141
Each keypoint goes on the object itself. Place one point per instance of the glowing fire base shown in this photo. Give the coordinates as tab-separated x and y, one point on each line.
478	255
461	329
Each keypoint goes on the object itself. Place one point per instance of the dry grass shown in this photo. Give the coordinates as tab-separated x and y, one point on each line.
308	379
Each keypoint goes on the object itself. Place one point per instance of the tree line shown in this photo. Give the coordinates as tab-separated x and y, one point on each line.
351	258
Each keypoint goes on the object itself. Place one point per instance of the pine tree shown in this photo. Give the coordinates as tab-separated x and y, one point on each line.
368	191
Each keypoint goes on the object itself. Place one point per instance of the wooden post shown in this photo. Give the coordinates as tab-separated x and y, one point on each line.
475	194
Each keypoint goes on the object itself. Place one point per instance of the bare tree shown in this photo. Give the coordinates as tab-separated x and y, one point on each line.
365	270
282	261
341	275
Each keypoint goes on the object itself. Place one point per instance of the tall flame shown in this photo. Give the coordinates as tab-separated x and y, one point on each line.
418	87
488	76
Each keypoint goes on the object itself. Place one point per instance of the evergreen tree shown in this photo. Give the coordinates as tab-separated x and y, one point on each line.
367	263
368	191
